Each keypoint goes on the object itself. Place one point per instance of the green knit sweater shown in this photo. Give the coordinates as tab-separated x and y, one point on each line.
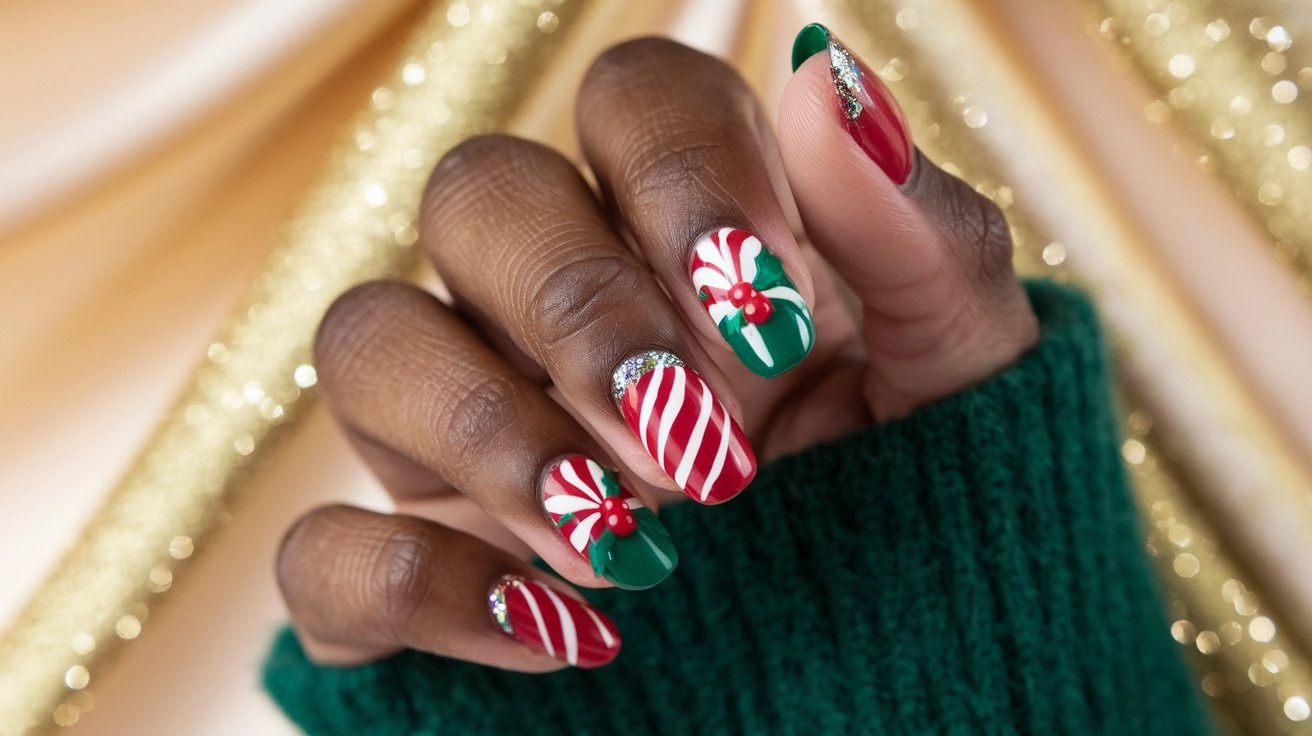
974	568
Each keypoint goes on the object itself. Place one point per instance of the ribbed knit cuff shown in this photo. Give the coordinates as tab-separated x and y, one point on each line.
973	568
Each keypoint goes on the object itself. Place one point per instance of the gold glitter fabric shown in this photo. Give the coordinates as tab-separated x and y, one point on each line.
466	69
1232	78
984	122
1235	80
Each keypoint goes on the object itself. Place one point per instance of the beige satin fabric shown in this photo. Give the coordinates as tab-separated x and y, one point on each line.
119	263
115	285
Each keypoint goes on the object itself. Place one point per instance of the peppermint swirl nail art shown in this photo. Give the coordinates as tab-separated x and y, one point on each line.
606	524
756	307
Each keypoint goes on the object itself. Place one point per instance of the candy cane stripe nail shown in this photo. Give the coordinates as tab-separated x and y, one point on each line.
758	311
568	633
562	627
684	427
606	524
695	440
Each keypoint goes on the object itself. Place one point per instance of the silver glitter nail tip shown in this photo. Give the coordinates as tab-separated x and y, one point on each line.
496	602
634	368
847	78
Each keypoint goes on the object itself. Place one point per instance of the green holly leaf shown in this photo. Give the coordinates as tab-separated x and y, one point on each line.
732	325
599	553
769	272
780	334
610	487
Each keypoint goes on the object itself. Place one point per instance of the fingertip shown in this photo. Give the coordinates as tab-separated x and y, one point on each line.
855	214
809	136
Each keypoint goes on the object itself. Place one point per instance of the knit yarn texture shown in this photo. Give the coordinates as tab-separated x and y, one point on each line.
974	568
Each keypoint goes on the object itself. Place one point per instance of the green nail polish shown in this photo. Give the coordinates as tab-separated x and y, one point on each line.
810	41
756	307
606	525
640	560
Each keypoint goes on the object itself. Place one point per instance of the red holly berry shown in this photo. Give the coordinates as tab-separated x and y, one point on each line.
617	517
758	310
756	307
740	292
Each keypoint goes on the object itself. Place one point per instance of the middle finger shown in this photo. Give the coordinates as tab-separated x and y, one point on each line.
517	235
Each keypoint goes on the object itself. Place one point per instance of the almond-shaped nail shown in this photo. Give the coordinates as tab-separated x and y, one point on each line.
743	287
606	524
866	108
559	625
684	427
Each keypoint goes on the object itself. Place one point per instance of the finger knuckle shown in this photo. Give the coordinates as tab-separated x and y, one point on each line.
404	574
628	69
979	230
582	299
990	237
353	322
302	546
479	152
686	176
483	171
686	169
640	58
629	93
478	413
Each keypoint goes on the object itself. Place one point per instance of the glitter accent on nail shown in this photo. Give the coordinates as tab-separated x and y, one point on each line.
847	78
496	601
634	368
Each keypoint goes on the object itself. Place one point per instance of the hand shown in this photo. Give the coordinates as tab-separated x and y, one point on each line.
631	329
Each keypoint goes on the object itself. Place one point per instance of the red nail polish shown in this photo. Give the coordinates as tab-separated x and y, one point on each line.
870	114
684	427
562	627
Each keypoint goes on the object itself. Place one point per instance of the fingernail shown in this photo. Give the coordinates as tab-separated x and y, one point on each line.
559	625
867	109
754	304
607	525
684	427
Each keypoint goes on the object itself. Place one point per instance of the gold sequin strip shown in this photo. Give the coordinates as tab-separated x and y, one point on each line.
1236	81
466	69
1252	673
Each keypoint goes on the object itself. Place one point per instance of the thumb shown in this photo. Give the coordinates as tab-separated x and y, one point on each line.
928	257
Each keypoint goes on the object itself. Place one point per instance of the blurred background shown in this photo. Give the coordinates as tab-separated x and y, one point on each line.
185	186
